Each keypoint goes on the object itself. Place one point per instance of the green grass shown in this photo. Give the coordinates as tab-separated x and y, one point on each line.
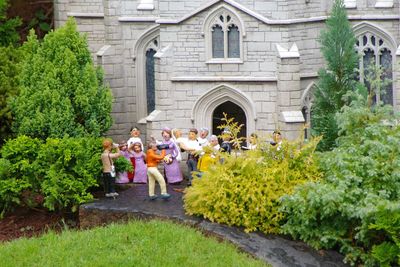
152	243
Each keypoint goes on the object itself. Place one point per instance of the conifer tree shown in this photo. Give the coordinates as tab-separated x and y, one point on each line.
338	48
10	56
61	92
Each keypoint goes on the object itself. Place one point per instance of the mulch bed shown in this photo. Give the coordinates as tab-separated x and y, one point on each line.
24	222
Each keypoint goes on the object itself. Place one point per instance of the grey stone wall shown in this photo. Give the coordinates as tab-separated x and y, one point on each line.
113	44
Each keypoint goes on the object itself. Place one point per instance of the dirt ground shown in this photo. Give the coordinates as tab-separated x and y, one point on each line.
24	222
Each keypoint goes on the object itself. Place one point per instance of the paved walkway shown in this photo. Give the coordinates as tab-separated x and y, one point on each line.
274	249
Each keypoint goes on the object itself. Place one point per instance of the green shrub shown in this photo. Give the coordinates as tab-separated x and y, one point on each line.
61	91
59	170
10	58
246	190
384	224
123	165
362	172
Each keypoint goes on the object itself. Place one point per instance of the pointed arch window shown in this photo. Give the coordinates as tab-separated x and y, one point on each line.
224	33
307	100
150	81
149	75
375	50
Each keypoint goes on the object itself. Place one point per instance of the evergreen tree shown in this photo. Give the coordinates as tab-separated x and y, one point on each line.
337	46
10	56
61	92
9	70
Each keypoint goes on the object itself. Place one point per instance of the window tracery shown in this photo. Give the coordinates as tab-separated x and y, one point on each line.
377	51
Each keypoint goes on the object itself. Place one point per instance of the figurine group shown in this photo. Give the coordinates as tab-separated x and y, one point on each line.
200	148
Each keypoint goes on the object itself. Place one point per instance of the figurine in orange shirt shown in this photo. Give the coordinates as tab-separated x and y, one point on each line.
153	158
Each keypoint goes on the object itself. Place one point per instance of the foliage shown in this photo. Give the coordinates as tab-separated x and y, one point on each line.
376	81
245	190
60	170
123	165
337	47
386	223
360	174
39	22
136	243
8	32
10	58
233	128
61	91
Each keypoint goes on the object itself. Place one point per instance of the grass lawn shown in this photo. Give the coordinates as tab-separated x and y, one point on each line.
137	243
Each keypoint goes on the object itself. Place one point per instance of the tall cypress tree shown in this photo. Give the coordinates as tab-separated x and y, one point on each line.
61	91
337	78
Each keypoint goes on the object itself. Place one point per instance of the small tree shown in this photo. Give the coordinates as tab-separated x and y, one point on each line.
62	93
9	70
337	79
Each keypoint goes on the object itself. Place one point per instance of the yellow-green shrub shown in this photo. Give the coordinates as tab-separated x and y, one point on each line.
245	190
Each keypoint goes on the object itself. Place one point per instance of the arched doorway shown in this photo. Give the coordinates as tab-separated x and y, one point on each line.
233	111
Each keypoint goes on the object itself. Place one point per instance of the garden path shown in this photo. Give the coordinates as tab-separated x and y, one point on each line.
134	203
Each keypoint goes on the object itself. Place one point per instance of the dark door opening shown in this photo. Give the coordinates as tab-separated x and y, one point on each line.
233	111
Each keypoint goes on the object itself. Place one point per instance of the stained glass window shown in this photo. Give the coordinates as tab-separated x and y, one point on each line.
150	81
217	42
225	37
375	50
233	42
386	63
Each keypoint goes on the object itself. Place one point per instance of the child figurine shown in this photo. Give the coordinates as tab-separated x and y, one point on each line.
135	137
152	172
122	177
172	168
108	167
140	176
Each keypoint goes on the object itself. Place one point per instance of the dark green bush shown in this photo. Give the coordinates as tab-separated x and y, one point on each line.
59	170
123	165
61	91
360	174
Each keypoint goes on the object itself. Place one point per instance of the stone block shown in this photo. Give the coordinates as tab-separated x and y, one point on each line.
176	6
256	46
285	76
250	66
268	107
230	67
265	6
288	86
273	36
284	98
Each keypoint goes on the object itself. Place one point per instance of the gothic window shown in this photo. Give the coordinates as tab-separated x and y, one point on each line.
224	33
233	42
217	42
307	99
225	38
375	50
150	81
